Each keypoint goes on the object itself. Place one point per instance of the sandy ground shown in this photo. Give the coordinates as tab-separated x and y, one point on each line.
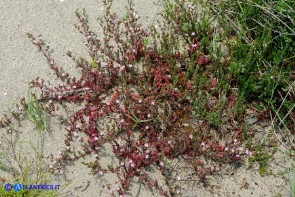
20	63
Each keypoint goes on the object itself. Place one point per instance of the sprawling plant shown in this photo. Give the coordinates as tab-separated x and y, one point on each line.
164	94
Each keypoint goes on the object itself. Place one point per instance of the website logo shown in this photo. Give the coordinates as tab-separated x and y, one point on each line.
8	187
18	187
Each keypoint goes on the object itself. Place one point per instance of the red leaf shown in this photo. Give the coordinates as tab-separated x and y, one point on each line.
203	61
214	82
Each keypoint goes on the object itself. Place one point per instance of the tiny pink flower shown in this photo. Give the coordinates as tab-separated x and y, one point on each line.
147	156
153	103
117	187
117	101
149	115
191	136
235	140
185	124
139	101
132	165
122	121
146	145
161	164
202	144
122	163
193	33
226	148
74	87
147	127
100	172
122	68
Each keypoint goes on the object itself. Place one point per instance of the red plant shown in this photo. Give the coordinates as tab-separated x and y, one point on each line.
150	106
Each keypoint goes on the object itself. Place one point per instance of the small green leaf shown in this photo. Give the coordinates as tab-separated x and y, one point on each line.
94	64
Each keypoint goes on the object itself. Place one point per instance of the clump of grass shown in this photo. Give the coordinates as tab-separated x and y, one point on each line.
23	170
34	111
262	47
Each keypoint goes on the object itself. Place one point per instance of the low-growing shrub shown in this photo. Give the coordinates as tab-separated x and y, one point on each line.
167	94
262	48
